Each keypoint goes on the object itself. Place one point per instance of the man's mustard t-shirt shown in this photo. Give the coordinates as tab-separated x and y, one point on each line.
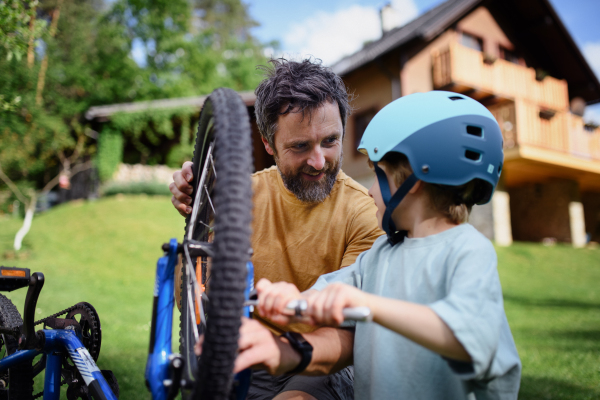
298	242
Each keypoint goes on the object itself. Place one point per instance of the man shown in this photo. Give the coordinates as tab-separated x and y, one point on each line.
309	217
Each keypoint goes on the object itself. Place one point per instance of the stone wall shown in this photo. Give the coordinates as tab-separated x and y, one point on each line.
143	173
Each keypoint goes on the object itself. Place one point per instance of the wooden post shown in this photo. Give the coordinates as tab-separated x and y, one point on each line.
502	225
577	224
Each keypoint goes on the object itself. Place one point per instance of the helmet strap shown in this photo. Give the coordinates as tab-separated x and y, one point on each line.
391	202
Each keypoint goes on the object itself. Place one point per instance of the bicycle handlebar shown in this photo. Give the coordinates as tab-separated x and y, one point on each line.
359	314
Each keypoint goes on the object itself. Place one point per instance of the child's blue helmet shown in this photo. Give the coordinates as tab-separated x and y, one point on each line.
448	138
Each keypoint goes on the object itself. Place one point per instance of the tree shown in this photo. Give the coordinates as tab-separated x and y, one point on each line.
226	19
185	55
18	28
43	141
79	55
188	49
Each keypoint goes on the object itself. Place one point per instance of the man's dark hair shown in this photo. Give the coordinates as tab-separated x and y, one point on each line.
291	86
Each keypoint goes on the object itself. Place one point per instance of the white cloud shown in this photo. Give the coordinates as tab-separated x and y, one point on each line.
592	114
403	11
591	51
331	36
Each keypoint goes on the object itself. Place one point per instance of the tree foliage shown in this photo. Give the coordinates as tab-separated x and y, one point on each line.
110	153
79	54
18	26
187	49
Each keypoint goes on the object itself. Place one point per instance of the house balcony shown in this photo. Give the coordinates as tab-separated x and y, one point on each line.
539	145
542	138
464	70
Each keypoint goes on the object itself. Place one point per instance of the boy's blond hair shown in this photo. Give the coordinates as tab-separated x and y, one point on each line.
451	201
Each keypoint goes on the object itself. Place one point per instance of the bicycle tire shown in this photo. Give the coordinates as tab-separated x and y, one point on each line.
224	123
19	379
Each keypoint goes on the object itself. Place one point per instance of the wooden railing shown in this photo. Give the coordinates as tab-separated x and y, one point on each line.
564	132
459	65
584	141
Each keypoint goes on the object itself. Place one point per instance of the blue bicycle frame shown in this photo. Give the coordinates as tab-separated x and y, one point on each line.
163	368
55	343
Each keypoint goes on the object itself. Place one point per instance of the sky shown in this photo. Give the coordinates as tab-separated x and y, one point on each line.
332	29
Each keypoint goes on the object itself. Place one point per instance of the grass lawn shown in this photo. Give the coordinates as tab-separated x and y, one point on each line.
104	252
552	303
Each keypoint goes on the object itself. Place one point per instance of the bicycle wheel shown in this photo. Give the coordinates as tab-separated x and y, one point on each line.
221	214
16	382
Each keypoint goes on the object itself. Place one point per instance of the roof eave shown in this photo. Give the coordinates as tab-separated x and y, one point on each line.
103	113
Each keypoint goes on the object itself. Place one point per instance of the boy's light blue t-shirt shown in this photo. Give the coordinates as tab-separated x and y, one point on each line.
454	273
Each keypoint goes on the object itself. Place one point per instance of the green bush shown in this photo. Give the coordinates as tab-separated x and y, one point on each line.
149	188
178	154
183	151
110	152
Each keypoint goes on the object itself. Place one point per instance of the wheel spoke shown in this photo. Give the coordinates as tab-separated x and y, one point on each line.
209	199
212	164
194	288
198	197
210	228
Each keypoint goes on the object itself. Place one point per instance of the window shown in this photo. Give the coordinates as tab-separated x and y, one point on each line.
509	55
471	41
360	124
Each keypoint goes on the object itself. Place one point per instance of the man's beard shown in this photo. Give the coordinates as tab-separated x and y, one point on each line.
312	191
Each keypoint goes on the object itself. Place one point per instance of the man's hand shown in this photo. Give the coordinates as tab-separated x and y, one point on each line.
325	307
260	349
273	299
181	189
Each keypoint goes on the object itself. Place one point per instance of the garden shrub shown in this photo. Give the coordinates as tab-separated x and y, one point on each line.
110	152
149	188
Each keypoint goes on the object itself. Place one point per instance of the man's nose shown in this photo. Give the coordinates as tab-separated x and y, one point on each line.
317	159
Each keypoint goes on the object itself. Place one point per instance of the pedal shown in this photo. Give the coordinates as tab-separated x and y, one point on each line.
12	278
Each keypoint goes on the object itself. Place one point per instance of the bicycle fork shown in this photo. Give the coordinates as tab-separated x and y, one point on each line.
163	369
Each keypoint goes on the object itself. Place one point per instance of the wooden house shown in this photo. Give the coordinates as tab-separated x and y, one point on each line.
517	58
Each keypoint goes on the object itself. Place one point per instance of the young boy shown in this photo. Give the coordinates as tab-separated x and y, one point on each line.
439	331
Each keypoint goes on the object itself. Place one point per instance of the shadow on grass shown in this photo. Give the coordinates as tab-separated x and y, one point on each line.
591	335
548	389
525	301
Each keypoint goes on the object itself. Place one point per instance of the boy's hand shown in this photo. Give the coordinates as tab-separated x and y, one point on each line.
325	306
181	189
273	299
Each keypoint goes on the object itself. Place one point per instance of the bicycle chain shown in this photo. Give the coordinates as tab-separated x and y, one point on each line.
65	311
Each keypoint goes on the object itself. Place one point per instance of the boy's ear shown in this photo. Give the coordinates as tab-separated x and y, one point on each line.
267	146
416	187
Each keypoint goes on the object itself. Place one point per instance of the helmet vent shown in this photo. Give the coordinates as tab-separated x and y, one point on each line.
456	98
499	169
474	130
472	155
